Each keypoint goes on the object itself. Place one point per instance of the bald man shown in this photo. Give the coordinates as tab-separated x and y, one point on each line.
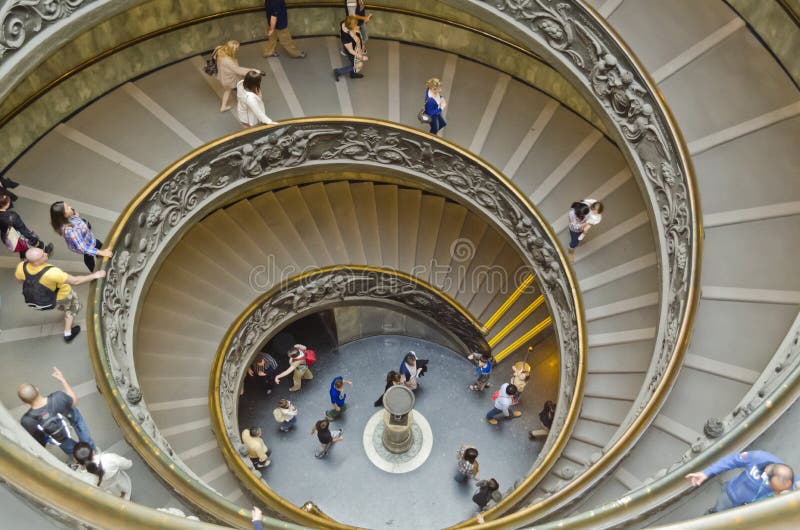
55	284
49	416
764	475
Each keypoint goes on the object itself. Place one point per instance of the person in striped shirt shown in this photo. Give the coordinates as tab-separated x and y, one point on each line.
77	233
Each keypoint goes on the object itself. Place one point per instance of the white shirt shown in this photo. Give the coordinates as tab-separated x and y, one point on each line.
250	107
592	218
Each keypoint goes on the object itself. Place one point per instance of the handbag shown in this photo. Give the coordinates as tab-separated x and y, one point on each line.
211	66
423	117
12	240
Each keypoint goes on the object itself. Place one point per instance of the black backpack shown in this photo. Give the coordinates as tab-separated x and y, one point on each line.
36	295
53	424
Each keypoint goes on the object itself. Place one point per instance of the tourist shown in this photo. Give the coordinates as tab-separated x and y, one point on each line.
358	10
546	416
298	367
77	232
277	30
109	468
392	378
257	450
6	185
435	104
16	236
583	215
486	493
49	417
764	475
503	399
354	47
467	466
286	415
257	515
47	287
520	373
411	369
337	397
229	73
260	378
483	370
325	437
250	107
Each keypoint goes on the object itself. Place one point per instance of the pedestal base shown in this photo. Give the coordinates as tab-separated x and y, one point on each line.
412	458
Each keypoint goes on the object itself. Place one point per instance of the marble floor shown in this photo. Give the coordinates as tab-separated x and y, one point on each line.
347	486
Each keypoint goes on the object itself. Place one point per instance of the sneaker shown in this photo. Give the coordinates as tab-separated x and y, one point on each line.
329	415
293	389
517	413
492	421
354	75
320	454
48	249
73	333
273	54
264	465
301	56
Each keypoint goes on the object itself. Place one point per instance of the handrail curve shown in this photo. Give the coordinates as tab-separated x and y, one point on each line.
154	221
585	49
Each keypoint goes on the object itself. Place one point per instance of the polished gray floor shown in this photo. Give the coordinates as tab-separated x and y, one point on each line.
346	485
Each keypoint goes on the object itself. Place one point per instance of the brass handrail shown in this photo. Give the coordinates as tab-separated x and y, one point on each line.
218	422
122	236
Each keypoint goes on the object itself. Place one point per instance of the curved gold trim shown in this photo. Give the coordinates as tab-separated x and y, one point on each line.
200	495
653	406
242	11
229	453
506	305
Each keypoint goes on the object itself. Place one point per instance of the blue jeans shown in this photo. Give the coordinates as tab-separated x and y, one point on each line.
492	414
81	429
350	68
573	238
461	477
724	501
437	123
287	425
362	28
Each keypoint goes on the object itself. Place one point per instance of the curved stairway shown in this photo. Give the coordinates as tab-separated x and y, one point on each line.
554	157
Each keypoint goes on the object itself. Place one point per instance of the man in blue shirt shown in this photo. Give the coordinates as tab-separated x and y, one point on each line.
337	397
277	30
764	475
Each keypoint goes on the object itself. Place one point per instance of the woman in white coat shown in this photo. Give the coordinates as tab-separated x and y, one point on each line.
107	470
251	107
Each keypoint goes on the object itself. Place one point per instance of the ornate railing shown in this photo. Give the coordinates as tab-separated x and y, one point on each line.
310	293
223	170
583	48
774	392
32	473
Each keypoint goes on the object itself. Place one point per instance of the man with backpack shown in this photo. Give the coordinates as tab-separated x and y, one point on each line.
300	360
47	287
49	417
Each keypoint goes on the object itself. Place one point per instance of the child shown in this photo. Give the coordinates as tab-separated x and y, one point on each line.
483	369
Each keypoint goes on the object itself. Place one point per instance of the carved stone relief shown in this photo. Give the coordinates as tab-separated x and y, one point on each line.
313	293
195	187
20	20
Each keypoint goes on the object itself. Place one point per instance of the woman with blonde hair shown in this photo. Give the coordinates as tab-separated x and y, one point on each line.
354	47
435	104
229	73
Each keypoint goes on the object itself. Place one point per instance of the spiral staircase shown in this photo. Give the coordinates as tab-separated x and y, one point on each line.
736	108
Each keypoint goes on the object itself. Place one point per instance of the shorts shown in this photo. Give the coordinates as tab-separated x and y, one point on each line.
71	305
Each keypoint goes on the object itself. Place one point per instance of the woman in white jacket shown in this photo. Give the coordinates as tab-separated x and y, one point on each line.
108	470
251	106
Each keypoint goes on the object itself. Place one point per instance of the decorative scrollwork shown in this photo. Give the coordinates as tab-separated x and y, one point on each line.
314	292
21	19
610	76
197	185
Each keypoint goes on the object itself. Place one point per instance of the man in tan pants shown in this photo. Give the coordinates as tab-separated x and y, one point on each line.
297	367
277	30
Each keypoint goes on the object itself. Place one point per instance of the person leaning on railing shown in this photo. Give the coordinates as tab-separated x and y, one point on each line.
765	475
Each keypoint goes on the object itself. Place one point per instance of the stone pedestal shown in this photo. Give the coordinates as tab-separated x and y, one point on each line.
398	435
